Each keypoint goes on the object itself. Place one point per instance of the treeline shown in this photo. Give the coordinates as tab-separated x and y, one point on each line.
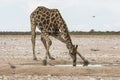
17	33
91	32
96	33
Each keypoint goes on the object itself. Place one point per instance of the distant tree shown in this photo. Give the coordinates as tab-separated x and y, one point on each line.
107	31
73	31
92	30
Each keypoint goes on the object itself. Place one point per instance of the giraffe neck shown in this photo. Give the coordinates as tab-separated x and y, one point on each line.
65	33
69	43
66	36
68	39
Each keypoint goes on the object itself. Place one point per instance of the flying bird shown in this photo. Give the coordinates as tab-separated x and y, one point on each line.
93	16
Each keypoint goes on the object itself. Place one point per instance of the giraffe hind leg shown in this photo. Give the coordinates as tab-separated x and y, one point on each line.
44	43
47	43
33	28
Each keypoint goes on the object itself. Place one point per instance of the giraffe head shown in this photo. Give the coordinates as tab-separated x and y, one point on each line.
73	52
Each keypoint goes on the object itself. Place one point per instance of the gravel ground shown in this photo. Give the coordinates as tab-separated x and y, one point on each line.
37	77
98	49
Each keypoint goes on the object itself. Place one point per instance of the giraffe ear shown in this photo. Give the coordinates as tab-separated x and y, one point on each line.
76	46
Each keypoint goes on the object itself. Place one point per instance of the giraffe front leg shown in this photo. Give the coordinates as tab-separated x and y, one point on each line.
86	62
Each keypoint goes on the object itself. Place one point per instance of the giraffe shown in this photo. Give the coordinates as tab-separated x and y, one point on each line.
51	23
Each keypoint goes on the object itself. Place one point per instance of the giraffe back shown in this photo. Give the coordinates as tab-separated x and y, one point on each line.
49	20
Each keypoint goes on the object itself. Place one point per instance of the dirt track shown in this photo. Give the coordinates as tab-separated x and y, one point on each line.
98	49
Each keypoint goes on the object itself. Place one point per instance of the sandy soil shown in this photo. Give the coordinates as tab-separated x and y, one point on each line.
16	51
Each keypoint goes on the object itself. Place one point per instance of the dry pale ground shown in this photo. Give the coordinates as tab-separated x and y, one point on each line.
16	58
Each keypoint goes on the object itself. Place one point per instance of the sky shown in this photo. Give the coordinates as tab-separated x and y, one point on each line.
79	15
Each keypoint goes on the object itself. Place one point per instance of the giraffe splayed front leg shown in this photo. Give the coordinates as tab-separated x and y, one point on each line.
85	61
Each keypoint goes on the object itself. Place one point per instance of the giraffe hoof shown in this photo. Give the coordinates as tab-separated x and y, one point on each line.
35	59
52	58
86	63
45	62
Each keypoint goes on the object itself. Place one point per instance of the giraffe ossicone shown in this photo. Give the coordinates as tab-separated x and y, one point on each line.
51	23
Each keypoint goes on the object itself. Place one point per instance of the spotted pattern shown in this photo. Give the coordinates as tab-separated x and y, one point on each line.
50	22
